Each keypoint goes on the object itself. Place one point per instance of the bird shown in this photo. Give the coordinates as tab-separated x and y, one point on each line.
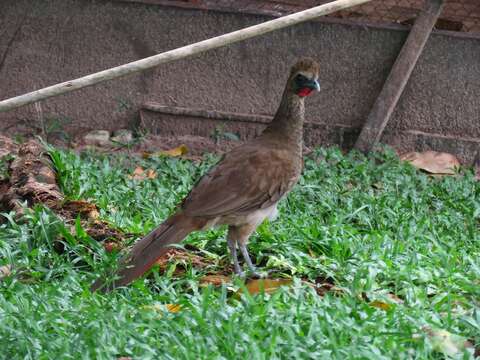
240	191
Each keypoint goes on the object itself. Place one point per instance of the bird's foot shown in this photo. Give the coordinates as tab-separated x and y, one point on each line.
240	274
253	270
255	274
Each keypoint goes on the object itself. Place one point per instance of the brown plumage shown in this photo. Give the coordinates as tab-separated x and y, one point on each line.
241	190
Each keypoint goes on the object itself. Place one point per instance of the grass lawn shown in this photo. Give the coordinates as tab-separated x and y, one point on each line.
402	248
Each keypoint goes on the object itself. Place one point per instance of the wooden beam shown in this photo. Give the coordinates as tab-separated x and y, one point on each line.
476	165
397	80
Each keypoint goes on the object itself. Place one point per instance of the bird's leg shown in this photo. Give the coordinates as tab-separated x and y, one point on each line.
238	235
232	245
246	256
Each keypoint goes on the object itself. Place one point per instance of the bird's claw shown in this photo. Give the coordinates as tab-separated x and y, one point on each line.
258	275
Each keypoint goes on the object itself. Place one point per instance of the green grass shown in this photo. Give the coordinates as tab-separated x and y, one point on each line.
372	226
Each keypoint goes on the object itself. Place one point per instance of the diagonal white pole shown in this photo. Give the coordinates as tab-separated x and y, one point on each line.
177	54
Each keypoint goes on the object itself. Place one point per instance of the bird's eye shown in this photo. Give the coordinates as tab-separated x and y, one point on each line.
301	78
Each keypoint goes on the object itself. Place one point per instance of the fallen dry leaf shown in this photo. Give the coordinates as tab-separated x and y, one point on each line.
178	151
388	304
395	298
433	162
447	343
380	305
151	174
268	286
378	185
5	271
172	308
216	280
137	174
140	174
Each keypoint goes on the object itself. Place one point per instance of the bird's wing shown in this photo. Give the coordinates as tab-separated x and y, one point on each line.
243	181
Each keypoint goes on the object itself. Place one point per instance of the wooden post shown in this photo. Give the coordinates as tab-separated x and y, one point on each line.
180	53
476	165
395	84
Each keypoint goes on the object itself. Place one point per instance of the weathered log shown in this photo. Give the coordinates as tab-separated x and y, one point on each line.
32	180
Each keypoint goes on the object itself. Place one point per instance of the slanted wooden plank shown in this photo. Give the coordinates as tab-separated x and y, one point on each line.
402	69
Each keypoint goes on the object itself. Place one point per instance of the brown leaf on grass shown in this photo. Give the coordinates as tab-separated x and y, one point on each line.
447	343
268	286
5	270
395	298
150	174
380	305
378	185
138	174
433	162
178	151
172	308
387	304
141	174
215	280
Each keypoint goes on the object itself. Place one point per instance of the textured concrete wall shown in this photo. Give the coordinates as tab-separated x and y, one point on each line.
48	41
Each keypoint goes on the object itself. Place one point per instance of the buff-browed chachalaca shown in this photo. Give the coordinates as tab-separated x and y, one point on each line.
240	191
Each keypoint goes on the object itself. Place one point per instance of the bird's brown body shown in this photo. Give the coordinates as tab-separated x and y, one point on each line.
242	190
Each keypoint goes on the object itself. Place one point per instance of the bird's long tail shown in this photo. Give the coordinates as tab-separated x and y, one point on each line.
149	249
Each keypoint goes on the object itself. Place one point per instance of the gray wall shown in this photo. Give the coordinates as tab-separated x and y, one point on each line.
49	41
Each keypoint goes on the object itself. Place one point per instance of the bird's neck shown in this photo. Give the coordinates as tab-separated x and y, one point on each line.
287	124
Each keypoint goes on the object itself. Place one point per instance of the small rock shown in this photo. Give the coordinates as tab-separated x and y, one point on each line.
122	136
97	137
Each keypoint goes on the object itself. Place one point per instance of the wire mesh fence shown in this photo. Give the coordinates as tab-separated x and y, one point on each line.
457	15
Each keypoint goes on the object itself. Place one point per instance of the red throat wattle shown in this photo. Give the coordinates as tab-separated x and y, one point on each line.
304	92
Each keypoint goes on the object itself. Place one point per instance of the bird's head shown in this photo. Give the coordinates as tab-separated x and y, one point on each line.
304	77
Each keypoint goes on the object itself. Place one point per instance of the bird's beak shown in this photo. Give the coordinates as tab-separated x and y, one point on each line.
313	85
